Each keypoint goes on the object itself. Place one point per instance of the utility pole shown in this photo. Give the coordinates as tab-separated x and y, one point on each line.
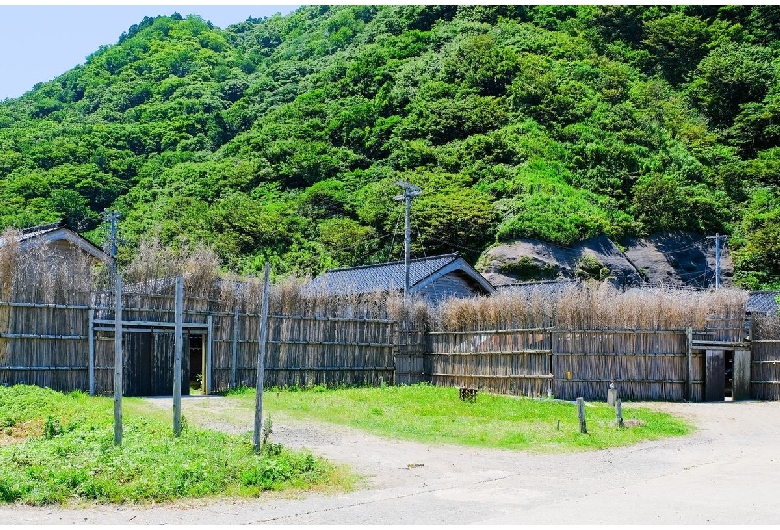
112	217
717	238
410	192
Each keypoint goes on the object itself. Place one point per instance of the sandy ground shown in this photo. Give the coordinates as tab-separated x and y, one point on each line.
727	472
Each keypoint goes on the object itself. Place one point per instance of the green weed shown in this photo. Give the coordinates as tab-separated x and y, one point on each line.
436	415
75	457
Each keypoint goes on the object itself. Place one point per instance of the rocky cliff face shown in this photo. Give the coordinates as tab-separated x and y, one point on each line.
679	259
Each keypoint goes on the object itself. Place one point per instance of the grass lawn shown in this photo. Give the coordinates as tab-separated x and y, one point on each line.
58	447
433	414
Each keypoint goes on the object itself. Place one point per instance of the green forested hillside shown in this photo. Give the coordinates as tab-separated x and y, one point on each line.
281	139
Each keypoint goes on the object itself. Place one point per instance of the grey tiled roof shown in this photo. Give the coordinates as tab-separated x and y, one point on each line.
763	302
381	277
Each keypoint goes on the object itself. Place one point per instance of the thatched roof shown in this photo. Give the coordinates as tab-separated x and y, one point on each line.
37	236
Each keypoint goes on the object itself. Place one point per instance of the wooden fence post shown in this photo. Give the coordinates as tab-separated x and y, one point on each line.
178	347
208	371
581	415
612	396
91	349
234	364
261	360
118	383
689	355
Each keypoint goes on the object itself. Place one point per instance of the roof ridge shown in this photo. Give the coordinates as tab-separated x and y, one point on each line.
41	228
453	255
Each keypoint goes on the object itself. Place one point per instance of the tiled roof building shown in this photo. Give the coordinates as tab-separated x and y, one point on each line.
763	302
436	278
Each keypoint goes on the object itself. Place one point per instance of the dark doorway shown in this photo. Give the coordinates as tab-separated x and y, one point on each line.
715	375
137	368
729	375
148	363
196	363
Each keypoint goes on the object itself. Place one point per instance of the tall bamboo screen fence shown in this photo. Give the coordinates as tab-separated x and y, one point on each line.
765	351
44	331
584	340
513	361
572	344
640	364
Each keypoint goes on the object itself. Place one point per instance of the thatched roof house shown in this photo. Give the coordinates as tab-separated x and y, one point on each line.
435	278
61	241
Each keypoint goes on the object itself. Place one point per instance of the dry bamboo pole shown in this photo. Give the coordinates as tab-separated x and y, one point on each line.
178	347
261	360
91	349
208	358
118	363
234	365
689	358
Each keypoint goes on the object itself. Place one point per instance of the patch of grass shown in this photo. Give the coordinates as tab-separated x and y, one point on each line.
70	455
433	414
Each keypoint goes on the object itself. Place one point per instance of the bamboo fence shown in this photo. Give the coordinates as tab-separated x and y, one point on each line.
514	361
765	353
573	344
44	345
412	364
303	351
642	365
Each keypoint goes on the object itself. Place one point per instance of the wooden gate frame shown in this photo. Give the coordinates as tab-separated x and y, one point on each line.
141	326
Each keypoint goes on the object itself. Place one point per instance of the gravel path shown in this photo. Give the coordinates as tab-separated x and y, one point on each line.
727	472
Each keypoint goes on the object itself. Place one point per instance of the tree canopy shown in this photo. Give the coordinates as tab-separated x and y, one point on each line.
280	139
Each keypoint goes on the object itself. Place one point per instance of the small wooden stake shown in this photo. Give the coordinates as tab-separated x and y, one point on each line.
612	396
619	412
581	415
261	361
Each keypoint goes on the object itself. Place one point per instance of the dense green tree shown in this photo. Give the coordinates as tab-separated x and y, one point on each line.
281	140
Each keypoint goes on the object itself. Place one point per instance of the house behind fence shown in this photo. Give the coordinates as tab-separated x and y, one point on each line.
57	331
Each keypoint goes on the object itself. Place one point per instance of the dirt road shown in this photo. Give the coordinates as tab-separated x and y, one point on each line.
727	472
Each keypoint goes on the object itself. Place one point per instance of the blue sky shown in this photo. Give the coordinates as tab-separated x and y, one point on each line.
40	42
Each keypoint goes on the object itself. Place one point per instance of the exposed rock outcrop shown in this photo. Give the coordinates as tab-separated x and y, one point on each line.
673	258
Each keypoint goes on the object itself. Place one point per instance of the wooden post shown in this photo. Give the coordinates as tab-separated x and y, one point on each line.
612	396
91	348
581	415
619	412
689	355
178	347
234	364
118	363
207	359
261	360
